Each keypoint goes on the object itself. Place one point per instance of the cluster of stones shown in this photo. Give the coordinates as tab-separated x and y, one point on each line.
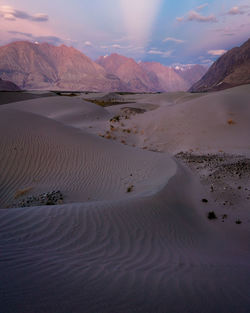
227	175
209	160
223	164
48	198
240	168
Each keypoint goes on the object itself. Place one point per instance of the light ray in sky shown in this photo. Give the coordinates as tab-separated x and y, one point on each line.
139	17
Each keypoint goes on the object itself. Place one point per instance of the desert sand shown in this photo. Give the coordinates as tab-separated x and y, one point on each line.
131	232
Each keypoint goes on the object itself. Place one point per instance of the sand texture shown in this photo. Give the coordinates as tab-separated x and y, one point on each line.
129	230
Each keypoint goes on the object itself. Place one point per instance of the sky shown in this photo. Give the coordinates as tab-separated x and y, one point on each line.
167	31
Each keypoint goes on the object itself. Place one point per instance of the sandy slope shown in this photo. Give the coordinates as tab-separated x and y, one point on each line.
72	111
152	250
138	255
209	122
46	155
10	96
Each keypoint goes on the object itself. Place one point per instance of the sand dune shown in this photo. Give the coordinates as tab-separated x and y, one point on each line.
205	123
44	154
151	250
121	256
10	96
72	111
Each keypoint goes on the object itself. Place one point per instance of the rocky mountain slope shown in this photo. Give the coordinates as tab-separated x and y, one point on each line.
130	72
44	66
231	69
150	76
191	73
168	79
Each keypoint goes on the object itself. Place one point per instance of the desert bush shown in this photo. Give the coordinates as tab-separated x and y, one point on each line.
211	215
115	118
230	122
130	188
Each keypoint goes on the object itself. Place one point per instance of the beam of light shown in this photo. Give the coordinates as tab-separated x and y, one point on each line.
139	17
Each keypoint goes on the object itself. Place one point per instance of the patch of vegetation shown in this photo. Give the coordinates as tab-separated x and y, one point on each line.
127	131
124	93
211	215
132	111
115	118
231	122
66	94
204	200
130	188
106	103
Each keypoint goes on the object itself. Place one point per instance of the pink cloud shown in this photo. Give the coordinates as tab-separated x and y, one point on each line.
11	14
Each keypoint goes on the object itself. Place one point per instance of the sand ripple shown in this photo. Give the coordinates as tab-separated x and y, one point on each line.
105	250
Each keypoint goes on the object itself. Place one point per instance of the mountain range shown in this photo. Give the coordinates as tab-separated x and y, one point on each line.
151	76
230	70
44	66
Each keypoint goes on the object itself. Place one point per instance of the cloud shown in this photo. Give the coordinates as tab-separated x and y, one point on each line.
238	10
20	33
116	46
173	40
180	19
216	52
200	7
229	34
207	62
54	40
164	54
226	31
139	17
88	44
39	17
233	30
11	14
235	11
49	39
195	16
